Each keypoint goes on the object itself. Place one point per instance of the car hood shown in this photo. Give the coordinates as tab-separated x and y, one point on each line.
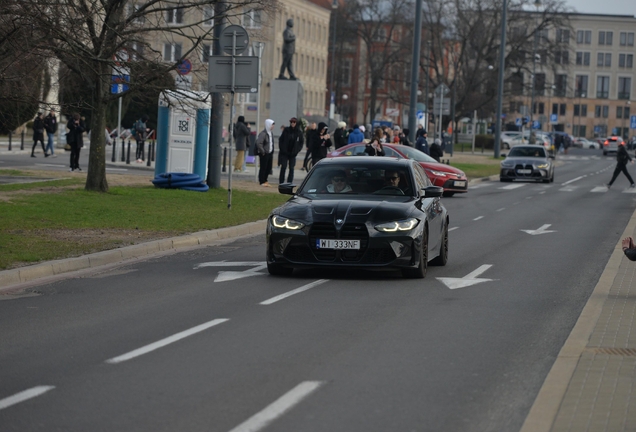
383	209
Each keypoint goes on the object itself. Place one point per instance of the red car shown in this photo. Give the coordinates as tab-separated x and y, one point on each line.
451	179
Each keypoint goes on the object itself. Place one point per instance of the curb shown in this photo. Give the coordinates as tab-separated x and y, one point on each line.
546	406
10	278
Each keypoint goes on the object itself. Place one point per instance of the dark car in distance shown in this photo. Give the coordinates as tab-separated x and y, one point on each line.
529	162
360	212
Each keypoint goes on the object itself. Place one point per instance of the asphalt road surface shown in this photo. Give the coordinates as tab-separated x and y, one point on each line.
205	340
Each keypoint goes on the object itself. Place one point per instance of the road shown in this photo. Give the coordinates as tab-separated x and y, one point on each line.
204	340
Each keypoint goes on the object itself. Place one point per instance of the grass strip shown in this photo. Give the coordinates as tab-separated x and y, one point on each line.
474	171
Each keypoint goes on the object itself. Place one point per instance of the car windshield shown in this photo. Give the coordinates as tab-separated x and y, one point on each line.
328	181
416	155
527	152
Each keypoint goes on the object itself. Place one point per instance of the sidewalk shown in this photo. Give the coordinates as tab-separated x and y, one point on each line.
592	384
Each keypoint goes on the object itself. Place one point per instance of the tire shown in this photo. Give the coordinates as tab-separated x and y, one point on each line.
448	194
504	180
604	153
552	178
420	271
442	258
277	270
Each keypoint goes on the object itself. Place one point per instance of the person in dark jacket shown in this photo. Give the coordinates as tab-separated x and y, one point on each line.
321	144
374	147
38	134
309	139
435	151
50	125
622	158
265	151
356	136
340	135
291	143
74	138
629	249
421	142
404	137
241	135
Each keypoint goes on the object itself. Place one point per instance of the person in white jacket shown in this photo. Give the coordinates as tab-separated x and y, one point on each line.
265	150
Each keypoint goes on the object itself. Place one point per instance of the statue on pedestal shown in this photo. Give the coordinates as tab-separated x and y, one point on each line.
289	47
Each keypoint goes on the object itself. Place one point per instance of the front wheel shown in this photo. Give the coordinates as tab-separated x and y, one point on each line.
277	270
442	258
448	194
420	271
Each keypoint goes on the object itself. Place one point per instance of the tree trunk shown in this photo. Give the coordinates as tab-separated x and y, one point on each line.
96	177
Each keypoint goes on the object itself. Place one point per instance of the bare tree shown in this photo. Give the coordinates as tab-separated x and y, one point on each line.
86	36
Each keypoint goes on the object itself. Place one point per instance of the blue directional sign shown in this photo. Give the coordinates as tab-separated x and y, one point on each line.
420	115
518	121
119	83
526	119
554	118
536	124
632	122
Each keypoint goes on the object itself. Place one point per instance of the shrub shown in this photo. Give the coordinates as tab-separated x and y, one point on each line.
486	142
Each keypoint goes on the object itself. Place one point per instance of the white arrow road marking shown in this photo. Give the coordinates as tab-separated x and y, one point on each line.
167	341
24	395
225	276
541	230
283	404
452	229
296	291
599	189
568	189
468	280
513	186
573	180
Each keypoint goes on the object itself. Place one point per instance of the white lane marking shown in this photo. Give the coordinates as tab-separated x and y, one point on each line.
24	395
541	193
229	264
529	197
501	209
478	217
630	190
573	180
541	230
283	404
568	189
452	229
600	189
116	169
224	276
296	291
167	341
468	280
51	165
513	186
481	185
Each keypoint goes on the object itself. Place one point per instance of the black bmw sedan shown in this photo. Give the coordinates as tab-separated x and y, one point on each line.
362	212
527	162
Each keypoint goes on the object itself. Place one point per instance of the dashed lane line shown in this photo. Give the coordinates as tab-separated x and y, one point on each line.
478	218
296	291
24	395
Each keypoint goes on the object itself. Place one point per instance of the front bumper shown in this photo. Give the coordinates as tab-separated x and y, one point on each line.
456	185
524	172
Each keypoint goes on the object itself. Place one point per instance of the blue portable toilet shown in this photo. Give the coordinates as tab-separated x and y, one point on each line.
183	126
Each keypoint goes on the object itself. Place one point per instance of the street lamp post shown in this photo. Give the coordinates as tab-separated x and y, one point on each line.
500	84
625	115
537	3
578	127
552	89
415	68
332	93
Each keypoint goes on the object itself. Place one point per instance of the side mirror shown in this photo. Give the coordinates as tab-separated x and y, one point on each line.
287	189
433	191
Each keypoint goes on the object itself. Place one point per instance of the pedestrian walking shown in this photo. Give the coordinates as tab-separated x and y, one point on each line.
622	158
75	139
140	130
340	135
435	151
265	151
356	136
38	134
309	139
50	125
241	135
290	142
322	143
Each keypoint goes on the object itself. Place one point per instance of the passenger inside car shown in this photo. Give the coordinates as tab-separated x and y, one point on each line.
339	183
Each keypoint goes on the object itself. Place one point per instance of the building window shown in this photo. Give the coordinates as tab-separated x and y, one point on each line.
581	86
580	110
584	37
380	35
206	53
136	50
601	111
516	83
252	19
604	59
561	86
624	88
345	70
562	57
539	84
174	16
626	60
602	87
627	39
605	37
208	16
171	52
582	58
563	36
133	9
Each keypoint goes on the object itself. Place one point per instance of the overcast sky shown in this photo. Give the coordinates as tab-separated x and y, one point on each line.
612	7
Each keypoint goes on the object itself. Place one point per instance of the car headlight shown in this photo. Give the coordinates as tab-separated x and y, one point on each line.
507	164
438	173
281	222
543	166
404	225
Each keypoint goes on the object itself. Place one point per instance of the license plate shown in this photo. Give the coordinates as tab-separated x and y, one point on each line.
337	244
459	183
524	171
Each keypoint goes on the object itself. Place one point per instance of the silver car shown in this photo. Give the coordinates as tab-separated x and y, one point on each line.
528	162
610	145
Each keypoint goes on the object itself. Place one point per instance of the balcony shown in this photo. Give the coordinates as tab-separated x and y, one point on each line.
624	95
602	94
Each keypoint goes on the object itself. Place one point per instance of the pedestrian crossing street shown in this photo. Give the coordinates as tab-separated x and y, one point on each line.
559	187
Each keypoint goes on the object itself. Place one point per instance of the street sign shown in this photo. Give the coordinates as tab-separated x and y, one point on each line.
554	118
526	119
220	74
518	121
119	83
183	82
441	89
420	115
227	37
443	104
632	122
536	124
184	67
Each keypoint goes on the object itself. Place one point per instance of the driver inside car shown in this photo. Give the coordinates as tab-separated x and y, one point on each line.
391	178
339	183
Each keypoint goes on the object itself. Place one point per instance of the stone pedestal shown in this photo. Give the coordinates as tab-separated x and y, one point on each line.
286	101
